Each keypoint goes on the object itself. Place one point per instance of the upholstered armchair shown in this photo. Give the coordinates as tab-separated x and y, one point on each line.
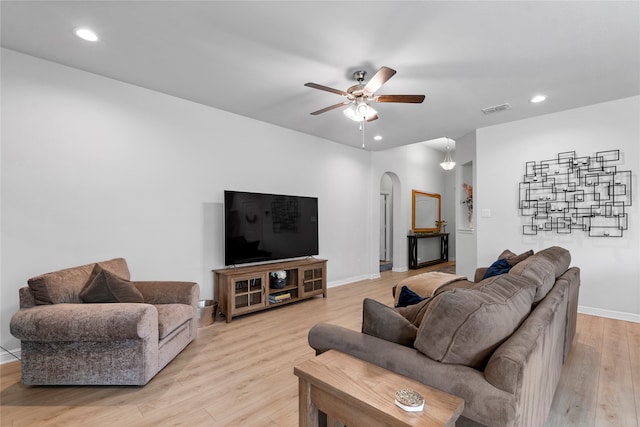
90	325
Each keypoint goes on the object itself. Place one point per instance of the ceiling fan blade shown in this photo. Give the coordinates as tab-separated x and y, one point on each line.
372	118
414	99
332	107
326	88
380	78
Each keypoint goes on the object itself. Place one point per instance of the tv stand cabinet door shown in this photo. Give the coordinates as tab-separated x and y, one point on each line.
246	294
314	279
240	294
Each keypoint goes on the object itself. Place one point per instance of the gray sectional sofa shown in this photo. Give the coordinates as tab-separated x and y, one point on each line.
500	343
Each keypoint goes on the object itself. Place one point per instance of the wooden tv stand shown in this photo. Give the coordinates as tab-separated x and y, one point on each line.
242	290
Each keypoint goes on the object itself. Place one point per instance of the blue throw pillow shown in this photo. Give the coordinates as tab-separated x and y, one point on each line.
408	297
501	266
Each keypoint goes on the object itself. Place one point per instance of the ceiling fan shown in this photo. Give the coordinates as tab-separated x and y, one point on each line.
360	95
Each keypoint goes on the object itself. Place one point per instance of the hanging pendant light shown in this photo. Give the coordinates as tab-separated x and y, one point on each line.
448	163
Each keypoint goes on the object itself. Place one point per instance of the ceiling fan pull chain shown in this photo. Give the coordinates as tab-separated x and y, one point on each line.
362	130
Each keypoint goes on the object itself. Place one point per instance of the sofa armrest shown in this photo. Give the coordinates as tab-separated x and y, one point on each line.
484	403
26	297
85	322
169	292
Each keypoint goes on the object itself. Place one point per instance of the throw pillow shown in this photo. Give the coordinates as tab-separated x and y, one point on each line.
465	326
506	254
107	287
513	260
543	268
414	313
408	297
64	286
384	322
501	266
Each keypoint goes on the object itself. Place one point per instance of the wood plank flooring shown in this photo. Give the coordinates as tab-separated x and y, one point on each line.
241	373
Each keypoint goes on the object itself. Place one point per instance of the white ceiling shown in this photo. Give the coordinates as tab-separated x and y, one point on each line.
253	58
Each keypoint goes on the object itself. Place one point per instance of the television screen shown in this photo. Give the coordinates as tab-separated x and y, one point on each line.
265	227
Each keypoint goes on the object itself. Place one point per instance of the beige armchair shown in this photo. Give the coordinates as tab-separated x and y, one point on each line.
68	341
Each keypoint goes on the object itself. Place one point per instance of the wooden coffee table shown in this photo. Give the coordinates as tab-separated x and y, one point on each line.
353	392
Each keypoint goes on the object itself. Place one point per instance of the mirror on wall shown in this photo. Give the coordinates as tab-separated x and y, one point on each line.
425	215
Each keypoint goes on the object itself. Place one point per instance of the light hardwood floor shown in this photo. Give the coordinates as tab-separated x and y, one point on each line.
241	374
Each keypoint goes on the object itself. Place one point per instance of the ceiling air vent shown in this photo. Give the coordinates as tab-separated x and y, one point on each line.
496	108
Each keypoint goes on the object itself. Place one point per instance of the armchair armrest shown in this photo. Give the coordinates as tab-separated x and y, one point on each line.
168	292
26	297
85	322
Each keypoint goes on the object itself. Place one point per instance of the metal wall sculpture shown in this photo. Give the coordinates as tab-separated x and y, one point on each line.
569	193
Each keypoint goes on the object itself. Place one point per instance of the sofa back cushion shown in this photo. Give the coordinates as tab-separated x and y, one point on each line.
543	268
465	326
64	286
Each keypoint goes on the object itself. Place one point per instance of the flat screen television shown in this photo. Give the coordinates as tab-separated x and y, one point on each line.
267	227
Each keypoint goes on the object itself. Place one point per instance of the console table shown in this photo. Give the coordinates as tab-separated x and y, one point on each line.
413	249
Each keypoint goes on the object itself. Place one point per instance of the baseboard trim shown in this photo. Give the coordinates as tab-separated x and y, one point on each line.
9	356
618	315
335	283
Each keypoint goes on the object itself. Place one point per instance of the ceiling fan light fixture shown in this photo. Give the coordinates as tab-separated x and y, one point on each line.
448	163
362	109
359	112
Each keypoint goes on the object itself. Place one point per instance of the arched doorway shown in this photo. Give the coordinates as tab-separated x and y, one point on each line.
389	184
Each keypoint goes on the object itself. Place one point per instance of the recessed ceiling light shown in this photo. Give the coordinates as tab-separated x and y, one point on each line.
377	137
537	98
86	34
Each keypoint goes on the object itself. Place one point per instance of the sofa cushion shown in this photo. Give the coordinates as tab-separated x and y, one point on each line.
426	284
414	313
464	326
499	267
172	316
506	254
384	322
543	268
515	259
64	286
107	287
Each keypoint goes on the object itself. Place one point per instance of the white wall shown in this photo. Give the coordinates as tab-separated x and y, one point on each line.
93	168
416	166
466	237
449	204
610	270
